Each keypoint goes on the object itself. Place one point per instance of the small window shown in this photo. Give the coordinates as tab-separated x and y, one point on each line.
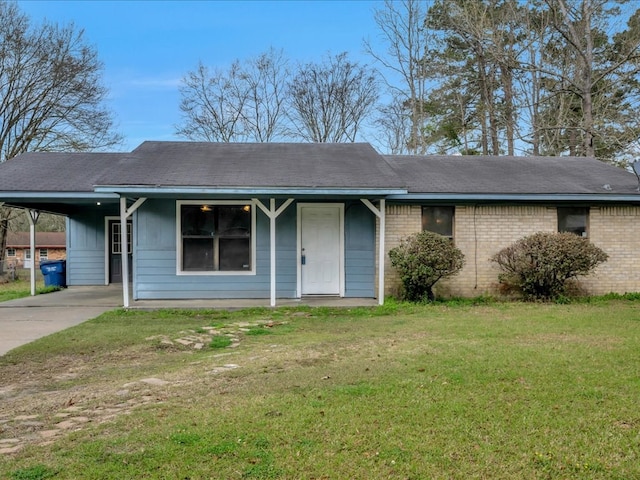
11	252
216	238
574	220
116	238
44	254
438	220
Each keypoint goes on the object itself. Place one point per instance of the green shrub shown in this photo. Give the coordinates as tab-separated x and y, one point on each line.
421	260
538	266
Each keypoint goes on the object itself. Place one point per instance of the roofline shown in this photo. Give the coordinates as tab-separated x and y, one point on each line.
506	197
8	196
253	191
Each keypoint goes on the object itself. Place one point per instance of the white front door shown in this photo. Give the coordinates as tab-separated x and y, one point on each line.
321	248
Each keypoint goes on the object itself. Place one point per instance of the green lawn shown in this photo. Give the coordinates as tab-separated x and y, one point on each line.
504	390
20	288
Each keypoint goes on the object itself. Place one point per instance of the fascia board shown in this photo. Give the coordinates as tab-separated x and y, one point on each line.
559	197
295	191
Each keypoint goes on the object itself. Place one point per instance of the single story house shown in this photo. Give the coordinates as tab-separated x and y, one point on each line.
49	246
287	220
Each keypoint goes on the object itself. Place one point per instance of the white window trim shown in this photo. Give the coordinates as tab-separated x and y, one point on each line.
45	257
218	273
11	252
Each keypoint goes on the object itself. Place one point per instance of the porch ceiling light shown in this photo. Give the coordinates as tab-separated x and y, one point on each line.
205	208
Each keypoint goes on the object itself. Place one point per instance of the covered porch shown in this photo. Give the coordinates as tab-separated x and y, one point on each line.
110	296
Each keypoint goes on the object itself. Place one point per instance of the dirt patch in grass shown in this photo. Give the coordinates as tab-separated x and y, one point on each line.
41	401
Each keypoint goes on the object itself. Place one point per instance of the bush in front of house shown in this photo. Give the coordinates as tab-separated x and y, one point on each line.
538	266
421	260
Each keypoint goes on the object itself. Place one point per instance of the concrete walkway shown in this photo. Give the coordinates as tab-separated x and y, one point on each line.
27	319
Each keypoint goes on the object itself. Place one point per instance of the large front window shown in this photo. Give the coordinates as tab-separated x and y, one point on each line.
216	237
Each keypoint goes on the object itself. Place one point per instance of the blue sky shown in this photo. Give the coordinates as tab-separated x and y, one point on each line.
148	46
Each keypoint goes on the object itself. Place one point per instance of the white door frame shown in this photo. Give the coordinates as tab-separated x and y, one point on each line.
340	207
107	243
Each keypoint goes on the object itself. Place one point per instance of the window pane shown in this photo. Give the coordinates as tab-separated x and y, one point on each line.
235	254
234	221
438	220
197	254
573	220
195	221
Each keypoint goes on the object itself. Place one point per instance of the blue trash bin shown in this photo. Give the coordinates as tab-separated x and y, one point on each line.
54	272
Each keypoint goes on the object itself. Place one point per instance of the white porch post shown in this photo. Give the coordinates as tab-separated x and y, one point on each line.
33	219
272	252
272	213
381	214
125	213
124	251
383	234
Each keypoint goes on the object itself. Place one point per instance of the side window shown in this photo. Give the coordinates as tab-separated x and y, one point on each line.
438	219
11	252
44	254
574	220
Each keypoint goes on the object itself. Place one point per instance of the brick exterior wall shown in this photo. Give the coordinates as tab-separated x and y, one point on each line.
482	230
18	260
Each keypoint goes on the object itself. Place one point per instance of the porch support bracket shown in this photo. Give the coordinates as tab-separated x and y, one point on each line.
272	212
380	213
33	220
125	213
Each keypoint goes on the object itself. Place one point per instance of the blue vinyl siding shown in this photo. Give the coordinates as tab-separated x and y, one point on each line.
156	250
86	249
155	255
360	244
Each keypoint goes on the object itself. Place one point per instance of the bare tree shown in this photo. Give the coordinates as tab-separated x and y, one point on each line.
599	74
331	100
51	95
266	78
401	25
244	103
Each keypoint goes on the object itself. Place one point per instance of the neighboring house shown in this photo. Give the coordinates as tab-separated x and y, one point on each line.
285	220
49	246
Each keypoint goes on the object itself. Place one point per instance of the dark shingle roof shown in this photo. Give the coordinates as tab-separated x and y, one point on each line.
254	165
319	165
55	172
201	164
511	175
43	240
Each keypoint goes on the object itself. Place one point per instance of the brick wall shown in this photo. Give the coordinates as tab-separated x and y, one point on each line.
482	230
18	260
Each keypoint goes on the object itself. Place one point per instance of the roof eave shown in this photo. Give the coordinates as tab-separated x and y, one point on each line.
248	191
519	197
24	195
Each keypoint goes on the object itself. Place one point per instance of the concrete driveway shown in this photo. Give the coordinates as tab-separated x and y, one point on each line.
27	319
